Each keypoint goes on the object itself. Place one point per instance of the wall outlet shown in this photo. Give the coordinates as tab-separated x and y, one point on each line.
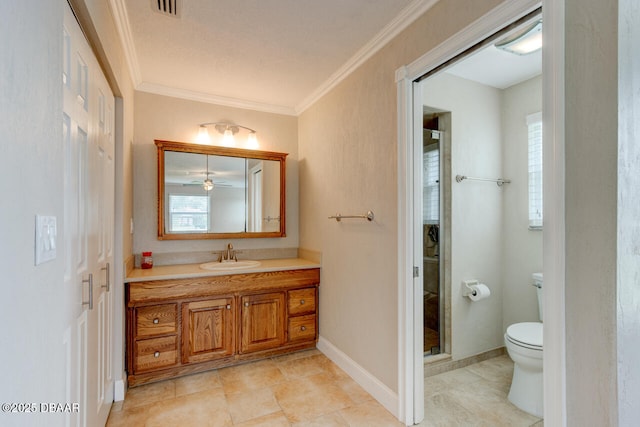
46	236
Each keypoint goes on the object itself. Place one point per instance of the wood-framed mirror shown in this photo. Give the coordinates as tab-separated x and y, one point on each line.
209	192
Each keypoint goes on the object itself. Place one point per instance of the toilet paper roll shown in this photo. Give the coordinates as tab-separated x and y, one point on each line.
480	291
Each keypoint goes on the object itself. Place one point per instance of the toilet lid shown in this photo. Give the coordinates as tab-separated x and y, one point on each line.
527	333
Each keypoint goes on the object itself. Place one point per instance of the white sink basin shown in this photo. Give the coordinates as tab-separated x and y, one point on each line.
230	265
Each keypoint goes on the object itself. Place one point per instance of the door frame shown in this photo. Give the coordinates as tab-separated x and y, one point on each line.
410	358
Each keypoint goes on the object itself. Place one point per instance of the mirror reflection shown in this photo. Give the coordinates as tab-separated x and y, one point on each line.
218	192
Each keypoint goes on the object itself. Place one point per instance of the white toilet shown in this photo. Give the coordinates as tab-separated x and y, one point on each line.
524	345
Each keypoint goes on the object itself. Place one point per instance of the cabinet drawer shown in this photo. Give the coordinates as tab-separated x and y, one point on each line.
302	328
156	353
156	320
302	301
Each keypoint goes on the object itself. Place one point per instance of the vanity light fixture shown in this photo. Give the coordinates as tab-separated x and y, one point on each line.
228	131
523	42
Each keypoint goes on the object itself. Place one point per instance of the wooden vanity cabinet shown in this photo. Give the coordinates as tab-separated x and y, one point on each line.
182	326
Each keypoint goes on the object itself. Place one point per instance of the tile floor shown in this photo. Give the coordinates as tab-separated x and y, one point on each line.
299	389
475	395
307	389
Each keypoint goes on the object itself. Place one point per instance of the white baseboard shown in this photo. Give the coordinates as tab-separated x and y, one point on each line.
120	388
383	394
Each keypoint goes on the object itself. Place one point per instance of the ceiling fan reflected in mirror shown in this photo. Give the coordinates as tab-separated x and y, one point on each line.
207	183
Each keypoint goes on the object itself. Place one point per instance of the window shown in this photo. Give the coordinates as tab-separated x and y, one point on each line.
431	187
534	125
188	213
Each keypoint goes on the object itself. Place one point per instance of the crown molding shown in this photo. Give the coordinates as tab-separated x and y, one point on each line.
214	99
408	15
121	19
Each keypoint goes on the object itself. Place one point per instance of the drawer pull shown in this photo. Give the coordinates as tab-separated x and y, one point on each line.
246	304
303	328
156	321
301	302
156	354
228	306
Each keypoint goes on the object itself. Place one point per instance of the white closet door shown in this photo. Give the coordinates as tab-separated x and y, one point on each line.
88	228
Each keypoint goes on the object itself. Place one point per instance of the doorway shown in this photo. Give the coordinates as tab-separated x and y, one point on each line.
411	112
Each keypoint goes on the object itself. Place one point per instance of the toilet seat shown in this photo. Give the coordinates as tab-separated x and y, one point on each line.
526	334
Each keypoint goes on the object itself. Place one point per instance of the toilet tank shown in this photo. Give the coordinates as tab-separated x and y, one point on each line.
537	282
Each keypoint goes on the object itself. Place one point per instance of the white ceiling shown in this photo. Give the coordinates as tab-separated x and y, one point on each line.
497	68
271	55
276	56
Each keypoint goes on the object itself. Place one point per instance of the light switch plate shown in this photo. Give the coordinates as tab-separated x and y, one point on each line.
46	238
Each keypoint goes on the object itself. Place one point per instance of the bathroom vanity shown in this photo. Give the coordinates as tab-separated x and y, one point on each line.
182	319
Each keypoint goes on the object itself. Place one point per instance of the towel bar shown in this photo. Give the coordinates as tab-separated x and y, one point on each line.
368	216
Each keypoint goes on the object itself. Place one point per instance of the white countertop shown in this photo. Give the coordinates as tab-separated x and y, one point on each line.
185	271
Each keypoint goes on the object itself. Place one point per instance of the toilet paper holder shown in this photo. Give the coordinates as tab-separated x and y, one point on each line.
467	289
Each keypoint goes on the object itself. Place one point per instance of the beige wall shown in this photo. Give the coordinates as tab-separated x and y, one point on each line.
490	239
173	119
522	248
348	163
33	306
476	207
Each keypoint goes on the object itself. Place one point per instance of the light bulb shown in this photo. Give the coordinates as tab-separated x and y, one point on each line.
227	139
203	135
252	141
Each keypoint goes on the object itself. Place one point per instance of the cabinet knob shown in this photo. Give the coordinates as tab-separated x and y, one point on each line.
301	302
156	354
156	321
303	328
246	304
228	306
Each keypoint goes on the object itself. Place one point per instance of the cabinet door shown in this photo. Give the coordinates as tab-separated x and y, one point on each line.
263	321
207	329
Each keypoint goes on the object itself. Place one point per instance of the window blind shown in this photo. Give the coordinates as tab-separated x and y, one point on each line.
534	125
188	213
431	187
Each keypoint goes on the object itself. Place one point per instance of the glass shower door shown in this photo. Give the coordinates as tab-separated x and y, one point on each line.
431	239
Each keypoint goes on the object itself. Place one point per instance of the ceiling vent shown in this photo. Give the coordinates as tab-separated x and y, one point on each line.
166	7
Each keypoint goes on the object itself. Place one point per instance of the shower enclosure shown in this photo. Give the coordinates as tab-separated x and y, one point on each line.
431	235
